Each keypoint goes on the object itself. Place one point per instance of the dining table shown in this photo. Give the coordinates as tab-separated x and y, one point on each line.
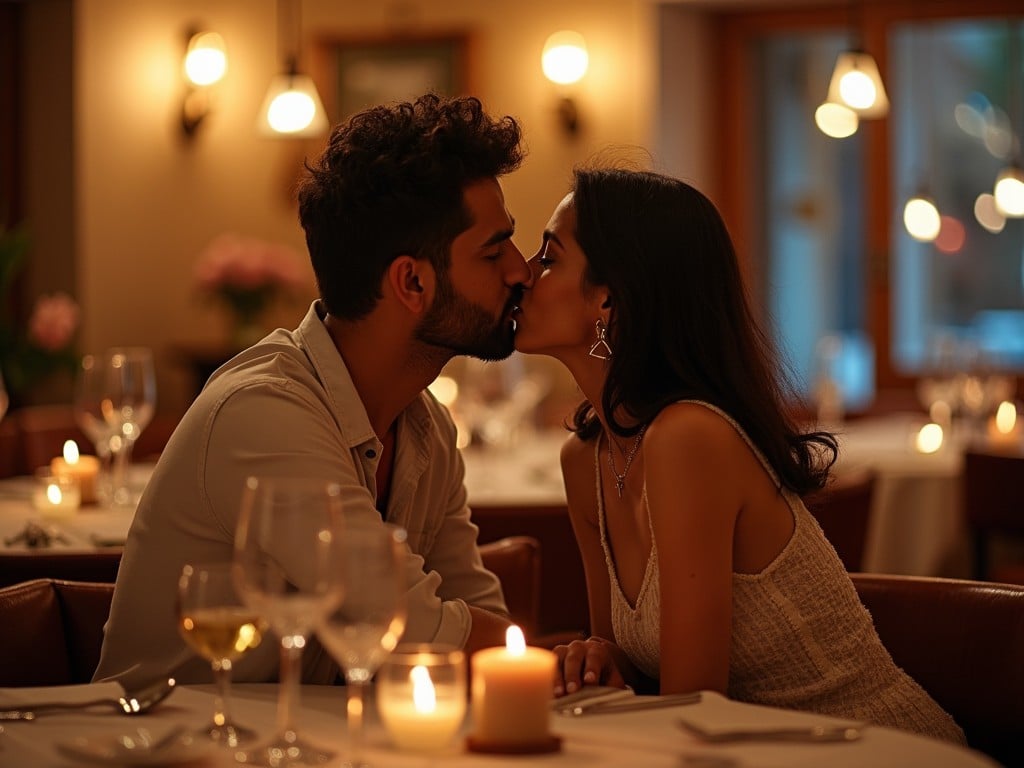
650	737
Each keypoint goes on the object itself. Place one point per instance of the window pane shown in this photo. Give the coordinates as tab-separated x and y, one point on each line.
811	276
955	112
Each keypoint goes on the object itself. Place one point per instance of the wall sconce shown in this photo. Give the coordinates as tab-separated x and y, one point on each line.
205	63
292	106
564	62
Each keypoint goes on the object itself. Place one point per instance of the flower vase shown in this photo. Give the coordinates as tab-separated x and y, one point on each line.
246	332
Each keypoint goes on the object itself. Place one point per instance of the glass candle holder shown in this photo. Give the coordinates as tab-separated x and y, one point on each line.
56	495
421	696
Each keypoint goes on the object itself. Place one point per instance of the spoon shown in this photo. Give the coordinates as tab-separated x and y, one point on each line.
133	702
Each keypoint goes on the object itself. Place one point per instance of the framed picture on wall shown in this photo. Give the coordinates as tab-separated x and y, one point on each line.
361	73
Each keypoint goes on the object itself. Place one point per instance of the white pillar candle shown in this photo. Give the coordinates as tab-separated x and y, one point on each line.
84	469
511	694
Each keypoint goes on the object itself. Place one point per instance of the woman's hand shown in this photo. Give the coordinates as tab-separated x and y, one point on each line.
594	661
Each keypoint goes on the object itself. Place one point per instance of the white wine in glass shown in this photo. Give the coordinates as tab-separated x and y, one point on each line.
287	550
370	620
218	626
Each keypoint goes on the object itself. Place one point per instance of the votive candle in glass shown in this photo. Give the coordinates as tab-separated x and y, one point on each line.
421	696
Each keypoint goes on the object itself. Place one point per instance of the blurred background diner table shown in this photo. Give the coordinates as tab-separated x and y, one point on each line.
650	737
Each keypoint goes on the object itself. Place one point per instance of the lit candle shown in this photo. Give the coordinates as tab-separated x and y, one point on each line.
82	468
511	696
1004	427
55	496
929	439
421	696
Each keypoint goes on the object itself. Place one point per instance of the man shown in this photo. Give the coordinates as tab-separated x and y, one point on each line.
410	242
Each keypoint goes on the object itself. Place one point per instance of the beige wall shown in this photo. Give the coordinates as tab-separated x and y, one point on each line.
146	201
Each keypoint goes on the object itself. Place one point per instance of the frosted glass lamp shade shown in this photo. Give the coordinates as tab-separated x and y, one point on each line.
857	83
292	107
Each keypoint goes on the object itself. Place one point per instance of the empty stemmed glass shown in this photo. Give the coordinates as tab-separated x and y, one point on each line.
90	387
129	399
221	628
366	626
287	550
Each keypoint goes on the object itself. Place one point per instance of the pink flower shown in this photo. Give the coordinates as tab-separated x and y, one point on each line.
53	322
232	261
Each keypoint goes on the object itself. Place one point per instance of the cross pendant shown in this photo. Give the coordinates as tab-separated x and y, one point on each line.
618	486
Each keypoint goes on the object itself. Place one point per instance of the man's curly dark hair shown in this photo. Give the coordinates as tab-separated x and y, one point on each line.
389	183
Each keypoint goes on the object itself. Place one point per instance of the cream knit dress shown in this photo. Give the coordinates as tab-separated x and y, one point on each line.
800	637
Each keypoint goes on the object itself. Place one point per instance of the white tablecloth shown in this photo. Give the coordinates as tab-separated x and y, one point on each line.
916	526
647	738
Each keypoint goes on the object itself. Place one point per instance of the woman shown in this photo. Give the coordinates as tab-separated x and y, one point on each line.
684	474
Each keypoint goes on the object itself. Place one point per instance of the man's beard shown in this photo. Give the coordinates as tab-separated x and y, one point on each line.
457	324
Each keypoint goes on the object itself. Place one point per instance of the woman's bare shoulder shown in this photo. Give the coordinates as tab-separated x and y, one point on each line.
693	425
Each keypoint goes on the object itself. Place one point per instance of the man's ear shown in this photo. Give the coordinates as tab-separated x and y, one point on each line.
411	281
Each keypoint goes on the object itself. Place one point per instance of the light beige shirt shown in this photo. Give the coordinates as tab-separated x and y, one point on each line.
287	406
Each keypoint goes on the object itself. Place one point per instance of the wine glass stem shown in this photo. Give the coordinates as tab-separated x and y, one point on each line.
222	677
121	459
354	715
291	673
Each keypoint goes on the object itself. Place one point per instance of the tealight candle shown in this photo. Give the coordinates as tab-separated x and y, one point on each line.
421	696
55	495
511	697
84	469
1004	428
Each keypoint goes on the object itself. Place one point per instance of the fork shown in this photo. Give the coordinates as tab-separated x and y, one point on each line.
814	734
604	707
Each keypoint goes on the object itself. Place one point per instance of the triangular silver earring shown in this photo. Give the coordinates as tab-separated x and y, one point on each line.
600	348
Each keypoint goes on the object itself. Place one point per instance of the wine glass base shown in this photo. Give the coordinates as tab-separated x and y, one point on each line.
229	734
283	752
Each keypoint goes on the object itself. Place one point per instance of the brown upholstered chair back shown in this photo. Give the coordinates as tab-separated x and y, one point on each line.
843	509
563	593
19	566
515	560
963	642
52	631
993	499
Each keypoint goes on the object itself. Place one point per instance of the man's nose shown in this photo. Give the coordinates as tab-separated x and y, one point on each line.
523	270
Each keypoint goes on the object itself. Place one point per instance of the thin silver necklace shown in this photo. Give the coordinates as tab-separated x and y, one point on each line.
620	480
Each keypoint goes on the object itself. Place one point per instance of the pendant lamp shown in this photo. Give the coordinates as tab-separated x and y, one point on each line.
292	106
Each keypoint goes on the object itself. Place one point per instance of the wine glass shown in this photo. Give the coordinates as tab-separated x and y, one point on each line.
367	624
286	567
90	386
220	628
128	401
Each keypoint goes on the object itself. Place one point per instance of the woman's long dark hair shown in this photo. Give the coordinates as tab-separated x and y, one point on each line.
681	327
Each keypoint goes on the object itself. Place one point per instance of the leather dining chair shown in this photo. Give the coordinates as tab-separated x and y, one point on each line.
19	566
843	510
962	642
993	503
515	560
53	631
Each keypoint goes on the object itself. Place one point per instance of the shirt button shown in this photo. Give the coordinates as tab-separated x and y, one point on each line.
371	454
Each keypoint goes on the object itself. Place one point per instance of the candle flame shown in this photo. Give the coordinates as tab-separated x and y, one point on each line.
423	697
70	451
1006	417
53	494
929	439
514	641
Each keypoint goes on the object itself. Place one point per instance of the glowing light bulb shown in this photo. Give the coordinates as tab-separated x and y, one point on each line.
565	58
836	120
206	60
921	218
857	89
